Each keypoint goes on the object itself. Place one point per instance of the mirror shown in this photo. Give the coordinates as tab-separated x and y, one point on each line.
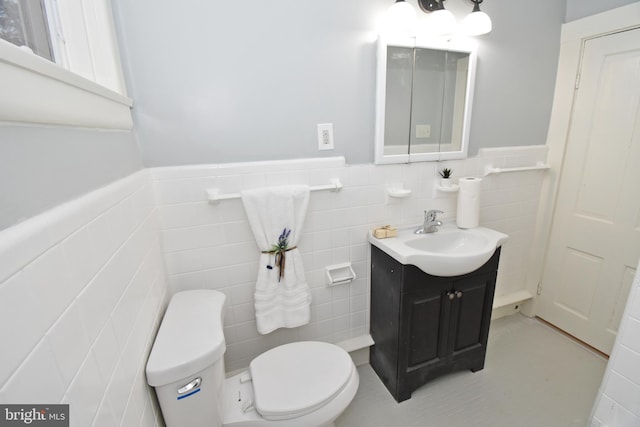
423	100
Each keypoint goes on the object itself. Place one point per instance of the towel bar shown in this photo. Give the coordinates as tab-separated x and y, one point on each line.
539	166
213	196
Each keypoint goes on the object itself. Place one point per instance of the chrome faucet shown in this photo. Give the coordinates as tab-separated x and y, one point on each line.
430	222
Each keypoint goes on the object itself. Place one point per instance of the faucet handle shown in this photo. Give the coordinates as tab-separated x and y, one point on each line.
431	214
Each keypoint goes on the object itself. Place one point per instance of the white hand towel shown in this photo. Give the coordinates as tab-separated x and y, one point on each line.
284	303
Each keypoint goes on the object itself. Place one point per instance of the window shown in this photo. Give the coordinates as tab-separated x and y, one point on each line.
24	23
59	64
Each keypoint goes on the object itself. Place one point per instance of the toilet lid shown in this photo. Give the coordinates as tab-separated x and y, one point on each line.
295	379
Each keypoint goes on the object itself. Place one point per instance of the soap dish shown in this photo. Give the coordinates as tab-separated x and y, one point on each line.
398	192
451	189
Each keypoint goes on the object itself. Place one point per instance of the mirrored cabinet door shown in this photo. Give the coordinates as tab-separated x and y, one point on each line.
399	84
424	97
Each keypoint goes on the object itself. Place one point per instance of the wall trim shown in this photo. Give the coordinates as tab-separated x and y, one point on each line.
25	241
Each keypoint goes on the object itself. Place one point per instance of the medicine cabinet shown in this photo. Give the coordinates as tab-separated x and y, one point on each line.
423	99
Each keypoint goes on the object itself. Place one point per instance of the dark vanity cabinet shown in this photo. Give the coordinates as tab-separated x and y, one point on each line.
425	326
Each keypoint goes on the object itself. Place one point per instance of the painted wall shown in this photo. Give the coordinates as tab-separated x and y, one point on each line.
43	166
577	9
198	100
218	82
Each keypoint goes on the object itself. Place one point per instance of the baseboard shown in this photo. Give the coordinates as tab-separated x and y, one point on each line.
506	305
358	348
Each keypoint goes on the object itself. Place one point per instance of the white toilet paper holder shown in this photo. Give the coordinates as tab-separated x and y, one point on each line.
340	274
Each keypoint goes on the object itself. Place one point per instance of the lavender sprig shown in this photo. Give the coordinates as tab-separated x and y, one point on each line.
279	249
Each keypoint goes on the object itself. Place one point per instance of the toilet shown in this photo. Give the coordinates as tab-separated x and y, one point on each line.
301	384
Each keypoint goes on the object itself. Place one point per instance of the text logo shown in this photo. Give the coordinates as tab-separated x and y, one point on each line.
34	415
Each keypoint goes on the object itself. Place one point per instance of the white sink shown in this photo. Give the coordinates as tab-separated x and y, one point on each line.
450	251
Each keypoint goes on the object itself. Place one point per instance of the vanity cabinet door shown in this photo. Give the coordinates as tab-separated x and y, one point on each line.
424	319
469	319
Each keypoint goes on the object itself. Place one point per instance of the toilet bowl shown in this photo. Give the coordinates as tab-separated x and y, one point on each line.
301	384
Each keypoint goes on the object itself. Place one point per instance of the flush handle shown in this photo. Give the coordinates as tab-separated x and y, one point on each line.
191	386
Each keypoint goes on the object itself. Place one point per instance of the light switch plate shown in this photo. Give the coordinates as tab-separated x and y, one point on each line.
423	131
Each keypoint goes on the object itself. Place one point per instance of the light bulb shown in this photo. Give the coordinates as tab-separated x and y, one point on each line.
401	19
441	22
476	23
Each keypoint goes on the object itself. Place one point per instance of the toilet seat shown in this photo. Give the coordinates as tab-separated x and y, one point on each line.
295	379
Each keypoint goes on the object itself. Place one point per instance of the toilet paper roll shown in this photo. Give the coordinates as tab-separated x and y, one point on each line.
468	214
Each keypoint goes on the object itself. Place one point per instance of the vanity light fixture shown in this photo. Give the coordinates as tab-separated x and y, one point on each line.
477	22
401	19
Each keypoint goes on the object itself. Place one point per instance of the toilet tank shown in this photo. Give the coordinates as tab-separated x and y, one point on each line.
186	364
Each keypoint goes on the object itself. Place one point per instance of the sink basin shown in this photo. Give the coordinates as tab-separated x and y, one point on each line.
450	251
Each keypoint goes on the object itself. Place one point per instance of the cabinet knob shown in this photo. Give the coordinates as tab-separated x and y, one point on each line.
451	295
459	294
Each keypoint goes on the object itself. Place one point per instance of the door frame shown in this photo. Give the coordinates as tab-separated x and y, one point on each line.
573	37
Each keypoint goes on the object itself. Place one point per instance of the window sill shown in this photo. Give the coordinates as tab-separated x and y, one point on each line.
38	91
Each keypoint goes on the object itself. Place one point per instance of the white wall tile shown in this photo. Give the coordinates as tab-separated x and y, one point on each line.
184	190
241	332
85	393
627	362
634	305
103	253
617	402
106	351
335	230
18	307
188	214
69	342
320	312
340	307
77	266
624	393
178	239
631	337
131	416
105	417
148	417
21	245
103	244
80	253
52	283
122	318
97	300
119	388
36	380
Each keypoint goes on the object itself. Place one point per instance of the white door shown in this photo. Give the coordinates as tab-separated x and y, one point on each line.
595	236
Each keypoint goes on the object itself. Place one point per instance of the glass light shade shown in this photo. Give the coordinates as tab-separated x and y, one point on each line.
476	24
401	19
441	22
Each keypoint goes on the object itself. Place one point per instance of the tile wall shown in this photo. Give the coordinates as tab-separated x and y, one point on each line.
82	289
210	245
84	285
618	402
